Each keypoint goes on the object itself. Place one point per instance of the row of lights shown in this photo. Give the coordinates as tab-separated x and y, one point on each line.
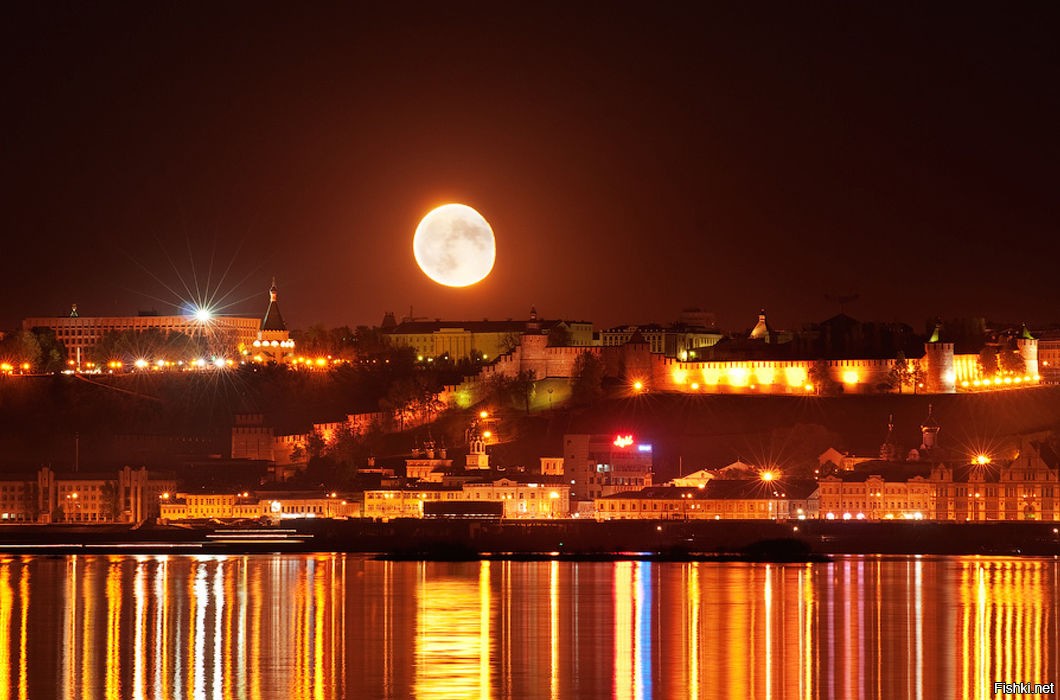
8	368
998	381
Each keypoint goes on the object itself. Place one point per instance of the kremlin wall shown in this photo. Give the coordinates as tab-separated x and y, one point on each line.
941	371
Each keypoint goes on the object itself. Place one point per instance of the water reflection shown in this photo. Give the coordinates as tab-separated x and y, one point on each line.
333	626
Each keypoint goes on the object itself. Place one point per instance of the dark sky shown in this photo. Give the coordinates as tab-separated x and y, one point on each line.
632	159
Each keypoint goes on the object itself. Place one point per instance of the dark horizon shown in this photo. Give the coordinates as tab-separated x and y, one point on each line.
631	164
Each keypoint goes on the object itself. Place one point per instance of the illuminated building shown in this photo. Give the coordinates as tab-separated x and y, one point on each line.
530	499
254	506
428	465
678	340
716	499
520	499
273	342
127	495
81	333
1049	356
600	465
877	492
935	483
460	339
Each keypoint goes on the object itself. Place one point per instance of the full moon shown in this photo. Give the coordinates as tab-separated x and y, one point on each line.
454	245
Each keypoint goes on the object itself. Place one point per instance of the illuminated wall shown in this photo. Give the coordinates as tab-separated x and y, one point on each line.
766	376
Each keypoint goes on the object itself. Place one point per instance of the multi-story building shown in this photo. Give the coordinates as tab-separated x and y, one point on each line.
264	339
716	499
79	334
255	506
878	491
520	499
600	465
678	340
128	495
485	339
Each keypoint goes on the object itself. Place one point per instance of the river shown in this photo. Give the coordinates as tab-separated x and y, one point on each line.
348	626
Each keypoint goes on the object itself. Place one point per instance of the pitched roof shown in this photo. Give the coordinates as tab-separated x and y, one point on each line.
273	321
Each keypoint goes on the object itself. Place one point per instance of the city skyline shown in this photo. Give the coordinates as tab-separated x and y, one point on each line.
661	160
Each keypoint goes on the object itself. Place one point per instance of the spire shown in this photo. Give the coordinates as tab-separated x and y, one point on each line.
272	320
1026	334
73	311
761	331
889	448
929	431
936	335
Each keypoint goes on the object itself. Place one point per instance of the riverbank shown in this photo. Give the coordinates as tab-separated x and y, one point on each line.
412	537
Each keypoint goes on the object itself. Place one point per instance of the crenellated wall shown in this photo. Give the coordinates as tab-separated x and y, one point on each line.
766	376
941	370
534	354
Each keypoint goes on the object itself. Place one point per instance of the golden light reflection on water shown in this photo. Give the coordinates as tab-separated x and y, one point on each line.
332	626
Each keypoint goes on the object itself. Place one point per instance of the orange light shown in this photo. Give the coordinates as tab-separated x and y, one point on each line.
768	475
623	441
638	385
982	459
483	414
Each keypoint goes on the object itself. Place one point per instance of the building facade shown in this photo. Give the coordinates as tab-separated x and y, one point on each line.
716	499
601	465
80	334
125	496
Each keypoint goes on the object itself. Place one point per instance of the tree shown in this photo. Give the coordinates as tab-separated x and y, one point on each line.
1009	358
559	336
900	371
510	341
109	501
587	379
524	388
21	347
916	375
820	375
315	445
988	365
52	351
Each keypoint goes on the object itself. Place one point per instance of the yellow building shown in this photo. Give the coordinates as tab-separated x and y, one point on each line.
878	491
527	500
716	499
180	507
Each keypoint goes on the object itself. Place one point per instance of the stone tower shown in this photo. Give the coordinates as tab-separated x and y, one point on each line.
939	374
1027	345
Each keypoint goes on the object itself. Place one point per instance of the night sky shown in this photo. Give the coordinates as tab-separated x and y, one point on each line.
633	160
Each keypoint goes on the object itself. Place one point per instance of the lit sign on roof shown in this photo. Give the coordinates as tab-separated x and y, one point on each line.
623	440
643	448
